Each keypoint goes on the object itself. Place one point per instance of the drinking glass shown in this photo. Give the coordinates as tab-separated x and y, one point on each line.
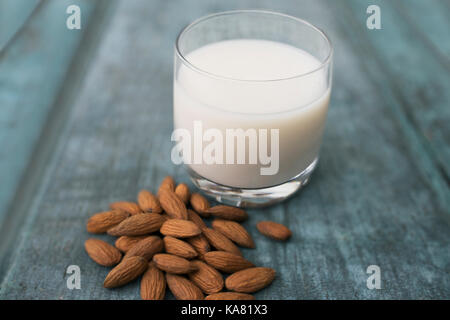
207	104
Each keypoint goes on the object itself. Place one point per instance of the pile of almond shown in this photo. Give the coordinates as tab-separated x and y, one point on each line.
164	238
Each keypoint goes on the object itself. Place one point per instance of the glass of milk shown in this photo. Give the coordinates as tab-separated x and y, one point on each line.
251	93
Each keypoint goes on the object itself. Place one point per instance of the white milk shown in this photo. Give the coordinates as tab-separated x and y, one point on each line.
297	106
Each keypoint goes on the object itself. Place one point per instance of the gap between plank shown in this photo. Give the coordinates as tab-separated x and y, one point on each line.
19	31
45	154
442	59
408	125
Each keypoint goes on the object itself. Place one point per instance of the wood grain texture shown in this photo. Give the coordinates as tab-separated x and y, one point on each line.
414	72
32	68
379	196
13	16
429	21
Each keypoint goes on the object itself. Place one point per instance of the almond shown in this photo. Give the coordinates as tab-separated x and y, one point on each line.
102	221
138	225
179	248
200	204
172	205
208	279
200	244
234	231
274	230
228	213
130	207
173	264
148	202
126	271
146	248
180	228
220	242
101	252
182	288
153	284
250	280
195	218
226	261
230	296
124	243
167	184
182	191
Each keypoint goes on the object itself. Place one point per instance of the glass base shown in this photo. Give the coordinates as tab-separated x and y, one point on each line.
252	198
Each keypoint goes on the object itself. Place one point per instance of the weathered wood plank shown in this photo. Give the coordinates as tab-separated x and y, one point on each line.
377	197
13	15
32	69
429	21
15	217
417	73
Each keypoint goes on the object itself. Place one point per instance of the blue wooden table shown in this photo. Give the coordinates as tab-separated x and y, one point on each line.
86	118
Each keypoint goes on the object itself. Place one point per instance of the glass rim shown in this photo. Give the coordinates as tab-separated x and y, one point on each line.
192	66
